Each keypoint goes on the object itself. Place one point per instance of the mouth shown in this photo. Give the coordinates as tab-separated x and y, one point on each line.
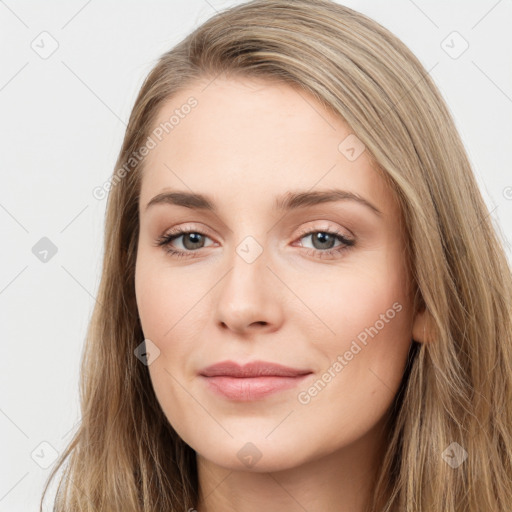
252	381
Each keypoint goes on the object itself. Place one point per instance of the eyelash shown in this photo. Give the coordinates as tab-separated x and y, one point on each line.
165	240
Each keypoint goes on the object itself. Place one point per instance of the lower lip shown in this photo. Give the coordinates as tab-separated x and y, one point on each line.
246	389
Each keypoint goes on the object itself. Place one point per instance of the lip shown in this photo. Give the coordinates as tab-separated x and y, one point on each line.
252	381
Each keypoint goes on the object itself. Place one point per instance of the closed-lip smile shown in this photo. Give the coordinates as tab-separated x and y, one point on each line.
251	381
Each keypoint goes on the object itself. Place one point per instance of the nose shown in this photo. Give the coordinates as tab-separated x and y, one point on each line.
249	297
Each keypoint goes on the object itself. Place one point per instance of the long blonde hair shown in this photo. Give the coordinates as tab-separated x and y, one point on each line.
125	456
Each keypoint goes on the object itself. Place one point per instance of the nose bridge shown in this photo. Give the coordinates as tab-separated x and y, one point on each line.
248	294
250	250
249	275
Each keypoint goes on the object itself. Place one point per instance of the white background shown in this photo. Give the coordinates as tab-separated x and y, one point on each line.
62	120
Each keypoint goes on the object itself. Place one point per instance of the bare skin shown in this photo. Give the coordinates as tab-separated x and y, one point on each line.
298	302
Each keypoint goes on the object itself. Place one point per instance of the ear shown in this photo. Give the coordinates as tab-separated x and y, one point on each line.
420	326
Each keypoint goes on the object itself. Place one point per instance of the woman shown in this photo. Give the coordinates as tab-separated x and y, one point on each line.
304	304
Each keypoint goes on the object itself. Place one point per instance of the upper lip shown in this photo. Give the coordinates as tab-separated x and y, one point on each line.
252	369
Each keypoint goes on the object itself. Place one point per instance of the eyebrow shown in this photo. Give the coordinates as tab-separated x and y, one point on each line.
288	201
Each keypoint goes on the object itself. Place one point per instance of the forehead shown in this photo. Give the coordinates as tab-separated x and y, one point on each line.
248	138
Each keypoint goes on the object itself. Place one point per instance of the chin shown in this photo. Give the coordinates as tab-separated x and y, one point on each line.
253	456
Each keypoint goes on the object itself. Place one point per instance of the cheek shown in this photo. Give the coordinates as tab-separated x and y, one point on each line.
167	321
369	318
160	307
364	360
152	302
163	296
349	303
171	315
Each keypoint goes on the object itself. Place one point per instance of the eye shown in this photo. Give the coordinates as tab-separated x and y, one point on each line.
323	240
194	240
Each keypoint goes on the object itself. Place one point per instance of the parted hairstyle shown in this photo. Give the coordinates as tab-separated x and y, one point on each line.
457	387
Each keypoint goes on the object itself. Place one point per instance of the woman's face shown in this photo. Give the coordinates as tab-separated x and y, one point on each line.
272	269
